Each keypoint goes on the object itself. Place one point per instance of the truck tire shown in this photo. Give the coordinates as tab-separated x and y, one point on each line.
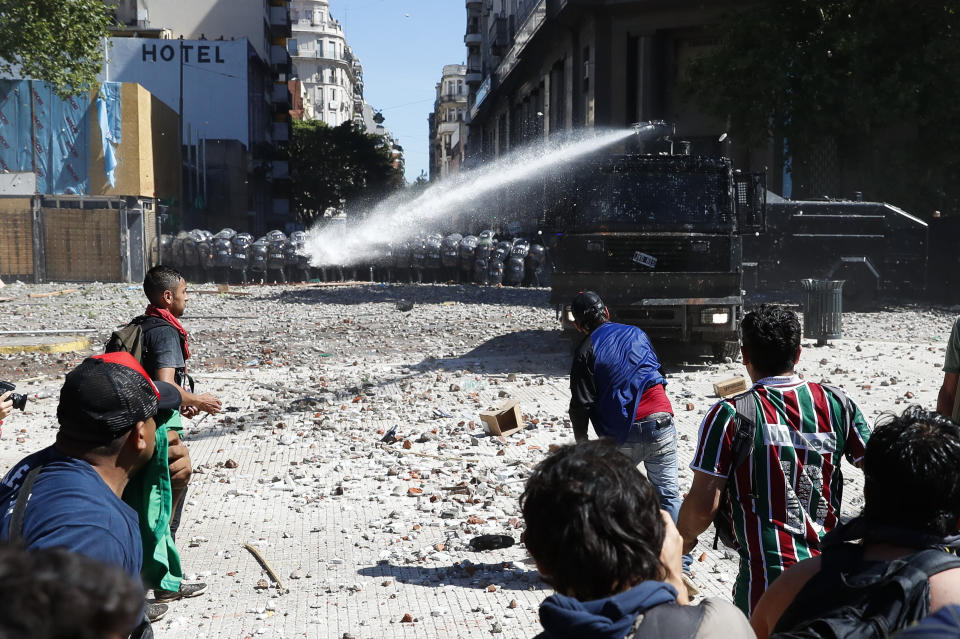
726	350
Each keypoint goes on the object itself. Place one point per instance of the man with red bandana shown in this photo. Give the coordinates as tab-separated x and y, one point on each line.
157	493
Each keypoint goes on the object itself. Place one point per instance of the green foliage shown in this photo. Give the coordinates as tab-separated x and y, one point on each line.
59	41
879	79
330	164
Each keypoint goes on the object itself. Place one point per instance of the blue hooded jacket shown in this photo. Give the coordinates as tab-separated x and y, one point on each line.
608	618
612	368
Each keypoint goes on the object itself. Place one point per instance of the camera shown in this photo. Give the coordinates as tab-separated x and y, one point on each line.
19	400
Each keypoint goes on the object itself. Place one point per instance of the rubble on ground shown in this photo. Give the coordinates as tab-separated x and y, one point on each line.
352	455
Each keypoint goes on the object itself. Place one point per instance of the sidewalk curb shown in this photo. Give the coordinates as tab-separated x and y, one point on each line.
62	345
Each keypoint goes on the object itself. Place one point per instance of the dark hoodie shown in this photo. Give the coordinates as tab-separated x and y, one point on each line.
608	618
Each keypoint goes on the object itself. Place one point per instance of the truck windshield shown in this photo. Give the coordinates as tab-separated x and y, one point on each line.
649	195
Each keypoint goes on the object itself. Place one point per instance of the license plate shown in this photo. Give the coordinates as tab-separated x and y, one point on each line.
644	260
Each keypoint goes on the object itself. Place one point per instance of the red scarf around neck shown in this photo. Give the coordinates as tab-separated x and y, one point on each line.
164	314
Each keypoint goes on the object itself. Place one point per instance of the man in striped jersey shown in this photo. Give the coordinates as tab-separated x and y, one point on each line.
787	493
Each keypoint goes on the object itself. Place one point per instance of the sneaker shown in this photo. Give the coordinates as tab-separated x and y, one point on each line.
156	611
186	591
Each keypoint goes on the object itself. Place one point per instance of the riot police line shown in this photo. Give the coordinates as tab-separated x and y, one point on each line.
231	257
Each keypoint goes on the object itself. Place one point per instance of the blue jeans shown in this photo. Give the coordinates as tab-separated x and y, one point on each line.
653	441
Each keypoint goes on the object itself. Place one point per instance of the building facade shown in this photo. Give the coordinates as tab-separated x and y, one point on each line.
536	68
331	75
448	122
248	108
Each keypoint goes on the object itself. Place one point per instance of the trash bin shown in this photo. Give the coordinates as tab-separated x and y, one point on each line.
823	309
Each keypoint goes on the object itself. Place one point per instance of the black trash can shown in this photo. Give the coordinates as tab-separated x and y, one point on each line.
823	309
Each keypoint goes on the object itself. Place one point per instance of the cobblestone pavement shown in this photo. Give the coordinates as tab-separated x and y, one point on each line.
369	538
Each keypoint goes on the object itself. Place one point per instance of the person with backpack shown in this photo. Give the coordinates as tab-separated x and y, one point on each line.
157	492
767	463
904	566
595	528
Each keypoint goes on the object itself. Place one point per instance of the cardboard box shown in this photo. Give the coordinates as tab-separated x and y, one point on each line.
504	420
731	386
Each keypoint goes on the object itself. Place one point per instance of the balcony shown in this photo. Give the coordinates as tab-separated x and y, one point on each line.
474	77
474	39
280	94
279	22
280	170
280	58
474	4
499	37
281	131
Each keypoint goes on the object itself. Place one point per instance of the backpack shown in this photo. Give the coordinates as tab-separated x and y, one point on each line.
853	599
746	430
130	338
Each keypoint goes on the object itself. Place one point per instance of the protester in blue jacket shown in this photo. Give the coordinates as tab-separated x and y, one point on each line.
616	384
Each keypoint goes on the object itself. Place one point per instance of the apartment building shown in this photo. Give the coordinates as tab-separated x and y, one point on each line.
331	75
448	122
536	68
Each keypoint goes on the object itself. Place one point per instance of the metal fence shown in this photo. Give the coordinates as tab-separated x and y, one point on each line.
58	242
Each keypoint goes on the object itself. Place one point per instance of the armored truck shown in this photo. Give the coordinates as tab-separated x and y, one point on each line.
659	237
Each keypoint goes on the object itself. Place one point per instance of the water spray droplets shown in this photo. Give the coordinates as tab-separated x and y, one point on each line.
397	219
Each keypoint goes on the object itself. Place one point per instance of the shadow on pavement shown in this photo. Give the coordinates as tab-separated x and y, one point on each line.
463	575
416	293
532	352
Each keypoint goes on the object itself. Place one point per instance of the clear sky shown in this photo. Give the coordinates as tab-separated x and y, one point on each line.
403	45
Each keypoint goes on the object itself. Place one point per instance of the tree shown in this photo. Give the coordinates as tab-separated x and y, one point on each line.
875	83
59	41
333	164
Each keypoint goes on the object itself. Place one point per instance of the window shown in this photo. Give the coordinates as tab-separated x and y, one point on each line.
319	48
292	46
333	48
459	87
319	95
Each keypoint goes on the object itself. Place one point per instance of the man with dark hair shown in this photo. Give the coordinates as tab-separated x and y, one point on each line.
157	492
785	490
54	593
911	512
599	538
615	383
69	494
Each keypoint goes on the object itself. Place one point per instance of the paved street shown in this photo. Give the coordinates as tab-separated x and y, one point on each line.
371	539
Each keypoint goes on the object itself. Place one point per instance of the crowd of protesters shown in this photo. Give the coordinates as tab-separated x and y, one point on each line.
90	521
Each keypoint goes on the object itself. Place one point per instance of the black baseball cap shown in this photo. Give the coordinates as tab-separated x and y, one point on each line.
586	304
106	395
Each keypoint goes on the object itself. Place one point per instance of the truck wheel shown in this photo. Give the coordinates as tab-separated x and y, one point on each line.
724	350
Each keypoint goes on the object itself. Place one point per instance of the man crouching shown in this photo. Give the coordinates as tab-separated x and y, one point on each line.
596	531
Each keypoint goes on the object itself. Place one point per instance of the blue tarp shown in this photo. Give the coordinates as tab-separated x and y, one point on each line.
109	119
60	129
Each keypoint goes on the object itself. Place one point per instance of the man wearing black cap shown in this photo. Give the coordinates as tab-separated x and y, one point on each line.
107	432
615	383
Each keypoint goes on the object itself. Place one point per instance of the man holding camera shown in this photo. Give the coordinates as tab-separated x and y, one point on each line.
6	406
10	400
